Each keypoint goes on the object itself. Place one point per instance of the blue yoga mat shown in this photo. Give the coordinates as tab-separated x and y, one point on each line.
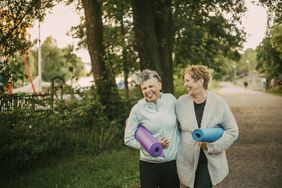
207	134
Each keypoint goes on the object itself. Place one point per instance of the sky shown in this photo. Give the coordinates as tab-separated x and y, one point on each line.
57	24
60	20
254	22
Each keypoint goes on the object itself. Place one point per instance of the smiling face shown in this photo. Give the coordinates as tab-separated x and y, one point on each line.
193	86
151	89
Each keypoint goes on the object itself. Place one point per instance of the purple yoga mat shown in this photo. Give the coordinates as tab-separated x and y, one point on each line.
149	142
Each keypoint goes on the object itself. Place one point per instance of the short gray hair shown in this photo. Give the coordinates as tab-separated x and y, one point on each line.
145	75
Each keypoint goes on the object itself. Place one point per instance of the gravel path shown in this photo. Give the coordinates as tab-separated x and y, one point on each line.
255	160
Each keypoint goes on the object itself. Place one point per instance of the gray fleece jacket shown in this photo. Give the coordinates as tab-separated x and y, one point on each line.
216	112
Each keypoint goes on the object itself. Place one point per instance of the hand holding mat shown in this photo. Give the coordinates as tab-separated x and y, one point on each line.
207	134
149	142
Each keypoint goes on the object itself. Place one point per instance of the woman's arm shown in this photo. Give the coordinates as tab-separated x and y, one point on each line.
230	133
130	129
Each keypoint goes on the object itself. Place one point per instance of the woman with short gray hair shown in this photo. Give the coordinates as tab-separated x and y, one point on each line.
156	112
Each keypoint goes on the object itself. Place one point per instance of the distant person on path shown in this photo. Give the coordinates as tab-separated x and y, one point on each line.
156	112
202	164
246	84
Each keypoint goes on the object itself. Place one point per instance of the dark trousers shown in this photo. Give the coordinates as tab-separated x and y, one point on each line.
158	175
202	179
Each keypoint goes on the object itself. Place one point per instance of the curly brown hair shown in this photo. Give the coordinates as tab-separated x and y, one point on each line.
197	72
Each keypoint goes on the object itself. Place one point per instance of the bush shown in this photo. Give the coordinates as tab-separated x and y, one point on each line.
24	146
73	126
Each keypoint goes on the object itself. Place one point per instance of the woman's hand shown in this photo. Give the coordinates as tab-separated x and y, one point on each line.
164	142
203	145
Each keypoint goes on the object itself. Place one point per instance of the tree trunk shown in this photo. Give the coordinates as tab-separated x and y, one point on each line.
104	78
164	33
153	27
124	57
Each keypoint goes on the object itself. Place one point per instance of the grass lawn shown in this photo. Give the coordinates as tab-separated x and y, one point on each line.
112	169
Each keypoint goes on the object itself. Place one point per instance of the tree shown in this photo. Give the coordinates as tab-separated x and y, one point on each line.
274	9
205	31
16	17
247	62
118	37
269	52
198	32
102	71
57	61
269	60
153	28
198	27
276	37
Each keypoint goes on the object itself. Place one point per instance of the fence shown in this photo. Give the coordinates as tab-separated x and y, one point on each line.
35	102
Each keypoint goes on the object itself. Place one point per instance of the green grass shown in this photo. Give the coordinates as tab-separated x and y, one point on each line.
111	169
275	91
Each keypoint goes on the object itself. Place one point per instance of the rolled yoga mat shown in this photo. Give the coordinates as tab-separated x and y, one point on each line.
207	134
149	142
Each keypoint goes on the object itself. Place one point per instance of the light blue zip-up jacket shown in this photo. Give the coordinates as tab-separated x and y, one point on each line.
160	119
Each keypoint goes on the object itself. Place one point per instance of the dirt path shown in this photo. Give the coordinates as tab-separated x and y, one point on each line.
255	160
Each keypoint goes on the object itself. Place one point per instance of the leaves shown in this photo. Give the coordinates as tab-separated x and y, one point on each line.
16	18
270	50
207	30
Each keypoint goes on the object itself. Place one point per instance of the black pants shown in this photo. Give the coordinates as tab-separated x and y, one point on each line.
202	179
158	175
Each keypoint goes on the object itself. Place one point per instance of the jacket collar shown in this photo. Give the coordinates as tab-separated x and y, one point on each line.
159	102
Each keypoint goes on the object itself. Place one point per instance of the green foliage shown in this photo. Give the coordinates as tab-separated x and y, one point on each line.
16	17
225	68
118	36
179	88
74	126
269	60
25	145
269	52
110	169
14	70
57	61
276	37
204	34
275	91
274	9
66	131
247	63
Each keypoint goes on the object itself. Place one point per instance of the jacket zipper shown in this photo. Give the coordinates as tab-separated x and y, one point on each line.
156	107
